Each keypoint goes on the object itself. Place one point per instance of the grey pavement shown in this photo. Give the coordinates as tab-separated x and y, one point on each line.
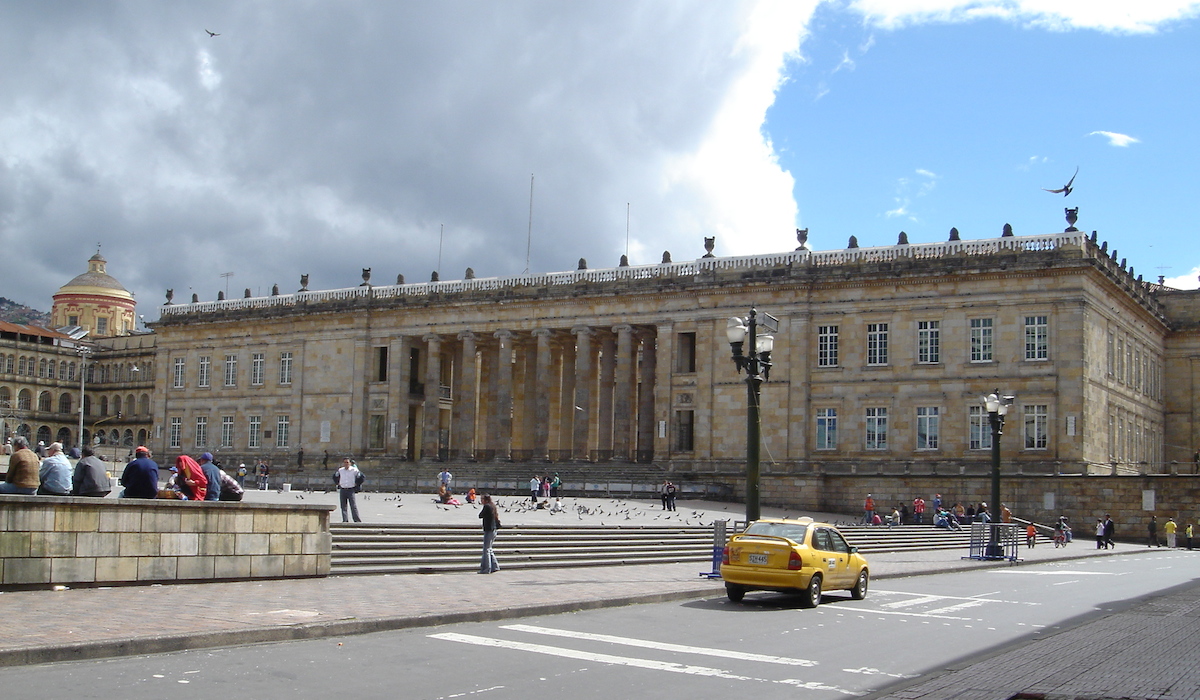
43	626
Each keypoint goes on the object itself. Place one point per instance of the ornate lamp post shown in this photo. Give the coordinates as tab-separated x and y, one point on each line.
997	407
84	352
756	360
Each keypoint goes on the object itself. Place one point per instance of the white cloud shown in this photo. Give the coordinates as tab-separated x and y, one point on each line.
1115	139
1188	281
1122	17
846	62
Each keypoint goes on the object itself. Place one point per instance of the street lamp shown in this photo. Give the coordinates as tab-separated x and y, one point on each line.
997	407
756	360
83	357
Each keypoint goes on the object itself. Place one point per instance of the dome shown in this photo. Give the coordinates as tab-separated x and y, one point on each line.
95	277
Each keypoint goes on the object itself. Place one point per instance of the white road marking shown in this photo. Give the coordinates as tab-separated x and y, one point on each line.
661	646
913	601
876	672
1054	573
905	613
957	607
649	664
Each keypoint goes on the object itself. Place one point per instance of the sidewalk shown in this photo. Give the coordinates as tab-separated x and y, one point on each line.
48	626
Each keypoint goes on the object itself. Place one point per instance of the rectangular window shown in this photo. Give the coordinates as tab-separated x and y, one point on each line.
685	357
176	432
201	431
254	439
283	426
375	433
929	342
226	431
877	428
72	320
257	360
102	326
685	431
927	427
179	369
205	370
827	346
826	428
381	364
1121	360
981	429
1037	423
877	343
981	340
231	370
1037	338
1111	341
285	368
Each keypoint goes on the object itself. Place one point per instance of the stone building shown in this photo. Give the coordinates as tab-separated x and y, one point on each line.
880	360
95	302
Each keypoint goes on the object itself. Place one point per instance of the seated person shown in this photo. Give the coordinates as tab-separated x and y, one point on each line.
471	496
558	506
231	490
22	477
90	477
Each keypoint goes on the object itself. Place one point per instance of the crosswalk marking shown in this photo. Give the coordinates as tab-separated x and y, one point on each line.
662	646
649	664
913	601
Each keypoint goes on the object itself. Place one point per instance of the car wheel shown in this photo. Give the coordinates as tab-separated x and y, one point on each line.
812	594
735	592
860	587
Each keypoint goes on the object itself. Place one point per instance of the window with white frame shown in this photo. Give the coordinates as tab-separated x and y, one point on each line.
285	367
179	370
927	427
205	370
257	360
877	344
980	429
981	340
1037	337
827	346
929	342
826	428
231	370
1037	426
201	431
226	431
283	426
175	434
876	425
254	438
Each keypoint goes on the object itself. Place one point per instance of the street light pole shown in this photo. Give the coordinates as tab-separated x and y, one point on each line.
756	360
997	407
83	356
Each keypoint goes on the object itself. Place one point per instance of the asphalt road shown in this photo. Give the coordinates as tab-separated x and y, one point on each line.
708	648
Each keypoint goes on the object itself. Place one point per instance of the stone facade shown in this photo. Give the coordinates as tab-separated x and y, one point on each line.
880	360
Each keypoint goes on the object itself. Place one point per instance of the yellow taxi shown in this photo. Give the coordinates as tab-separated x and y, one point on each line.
793	556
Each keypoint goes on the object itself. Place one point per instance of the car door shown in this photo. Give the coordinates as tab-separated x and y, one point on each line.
835	552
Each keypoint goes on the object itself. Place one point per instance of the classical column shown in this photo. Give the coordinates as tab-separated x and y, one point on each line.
541	402
583	391
501	418
646	391
463	439
623	401
604	402
433	378
566	397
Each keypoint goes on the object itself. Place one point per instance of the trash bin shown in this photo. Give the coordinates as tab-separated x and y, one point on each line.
287	487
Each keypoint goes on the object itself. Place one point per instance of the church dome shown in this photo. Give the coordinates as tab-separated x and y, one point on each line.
96	302
95	277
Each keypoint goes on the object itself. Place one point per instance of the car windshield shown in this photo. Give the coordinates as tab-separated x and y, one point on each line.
791	531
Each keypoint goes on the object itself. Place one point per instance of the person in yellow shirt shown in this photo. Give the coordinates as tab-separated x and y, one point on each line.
1170	529
1188	534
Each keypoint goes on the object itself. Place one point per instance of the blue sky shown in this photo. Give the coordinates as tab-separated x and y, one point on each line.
326	137
961	124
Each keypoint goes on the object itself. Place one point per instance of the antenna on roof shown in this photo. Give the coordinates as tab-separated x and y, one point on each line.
529	235
627	230
227	275
441	235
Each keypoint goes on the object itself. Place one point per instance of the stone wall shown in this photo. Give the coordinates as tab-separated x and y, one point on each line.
66	540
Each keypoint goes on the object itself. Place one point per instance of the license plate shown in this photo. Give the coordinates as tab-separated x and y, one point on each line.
758	559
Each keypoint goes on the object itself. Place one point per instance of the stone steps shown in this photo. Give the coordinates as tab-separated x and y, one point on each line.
360	548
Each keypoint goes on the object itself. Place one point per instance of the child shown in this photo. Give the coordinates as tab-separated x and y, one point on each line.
1030	536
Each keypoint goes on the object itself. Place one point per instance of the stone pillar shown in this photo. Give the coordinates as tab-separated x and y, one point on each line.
433	378
463	437
647	390
501	416
566	401
583	392
623	401
604	402
541	404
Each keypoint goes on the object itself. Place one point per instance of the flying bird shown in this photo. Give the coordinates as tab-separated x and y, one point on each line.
212	34
1066	190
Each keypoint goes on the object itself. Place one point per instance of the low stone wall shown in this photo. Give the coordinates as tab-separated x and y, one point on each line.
68	540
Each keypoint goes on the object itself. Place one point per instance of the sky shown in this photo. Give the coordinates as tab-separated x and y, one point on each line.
321	138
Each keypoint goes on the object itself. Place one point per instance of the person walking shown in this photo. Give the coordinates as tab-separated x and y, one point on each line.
535	486
491	523
1188	534
445	477
1152	532
348	480
1100	534
1170	529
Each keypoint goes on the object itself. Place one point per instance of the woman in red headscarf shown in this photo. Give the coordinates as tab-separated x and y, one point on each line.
191	479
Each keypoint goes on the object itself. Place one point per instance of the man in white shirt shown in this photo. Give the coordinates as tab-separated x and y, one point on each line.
348	479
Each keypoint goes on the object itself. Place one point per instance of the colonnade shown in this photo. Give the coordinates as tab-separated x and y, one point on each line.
584	393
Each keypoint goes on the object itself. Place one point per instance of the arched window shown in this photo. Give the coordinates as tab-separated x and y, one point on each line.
115	437
64	403
45	402
127	438
52	369
63	436
71	373
23	430
141	438
44	434
130	405
144	405
42	368
25	400
103	405
9	364
62	370
87	405
116	405
21	365
5	397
